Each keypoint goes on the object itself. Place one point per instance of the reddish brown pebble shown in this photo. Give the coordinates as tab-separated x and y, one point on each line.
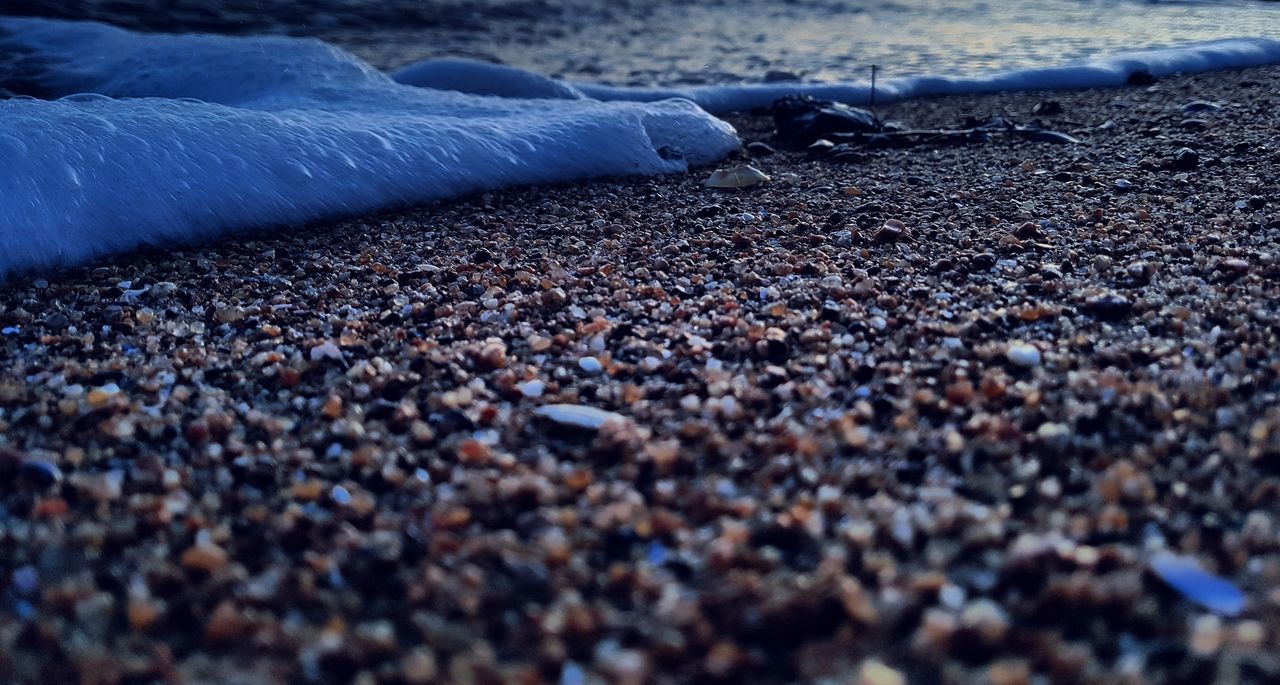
142	613
204	556
224	624
892	231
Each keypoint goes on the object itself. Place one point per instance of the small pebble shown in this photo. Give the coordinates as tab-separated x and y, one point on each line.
873	672
892	231
326	350
1024	355
205	556
533	388
577	416
340	495
418	666
1108	306
26	580
1186	159
40	473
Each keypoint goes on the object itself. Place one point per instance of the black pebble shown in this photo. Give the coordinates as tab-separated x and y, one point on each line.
1186	159
983	261
777	351
41	474
1047	108
1108	307
830	311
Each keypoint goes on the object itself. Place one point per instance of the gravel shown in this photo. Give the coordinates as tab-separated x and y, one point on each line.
880	430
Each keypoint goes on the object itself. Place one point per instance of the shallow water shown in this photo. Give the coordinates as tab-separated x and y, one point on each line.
647	42
837	41
661	42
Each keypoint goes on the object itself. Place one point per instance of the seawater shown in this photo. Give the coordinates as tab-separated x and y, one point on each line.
671	42
660	42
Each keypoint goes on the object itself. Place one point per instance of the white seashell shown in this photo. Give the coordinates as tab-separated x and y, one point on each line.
577	416
741	176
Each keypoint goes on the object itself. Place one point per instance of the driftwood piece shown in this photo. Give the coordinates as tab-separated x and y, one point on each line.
802	120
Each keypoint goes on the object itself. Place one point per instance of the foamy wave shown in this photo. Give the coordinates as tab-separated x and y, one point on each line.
190	137
1111	71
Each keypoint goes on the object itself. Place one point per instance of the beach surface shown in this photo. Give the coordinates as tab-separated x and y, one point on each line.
845	449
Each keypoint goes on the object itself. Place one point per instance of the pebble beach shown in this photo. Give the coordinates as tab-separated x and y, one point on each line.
918	415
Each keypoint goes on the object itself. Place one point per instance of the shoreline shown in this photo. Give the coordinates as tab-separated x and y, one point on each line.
946	451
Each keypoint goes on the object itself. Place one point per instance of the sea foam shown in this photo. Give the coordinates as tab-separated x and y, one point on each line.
1111	71
187	137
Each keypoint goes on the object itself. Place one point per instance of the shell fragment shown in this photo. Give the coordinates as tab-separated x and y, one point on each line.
741	176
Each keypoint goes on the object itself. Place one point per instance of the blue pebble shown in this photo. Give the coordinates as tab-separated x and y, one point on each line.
24	610
657	553
572	674
340	495
1184	574
26	580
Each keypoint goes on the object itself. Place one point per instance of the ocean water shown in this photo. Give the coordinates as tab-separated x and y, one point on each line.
837	40
308	111
484	78
670	42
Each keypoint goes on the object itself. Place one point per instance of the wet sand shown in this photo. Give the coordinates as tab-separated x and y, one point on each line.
848	454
